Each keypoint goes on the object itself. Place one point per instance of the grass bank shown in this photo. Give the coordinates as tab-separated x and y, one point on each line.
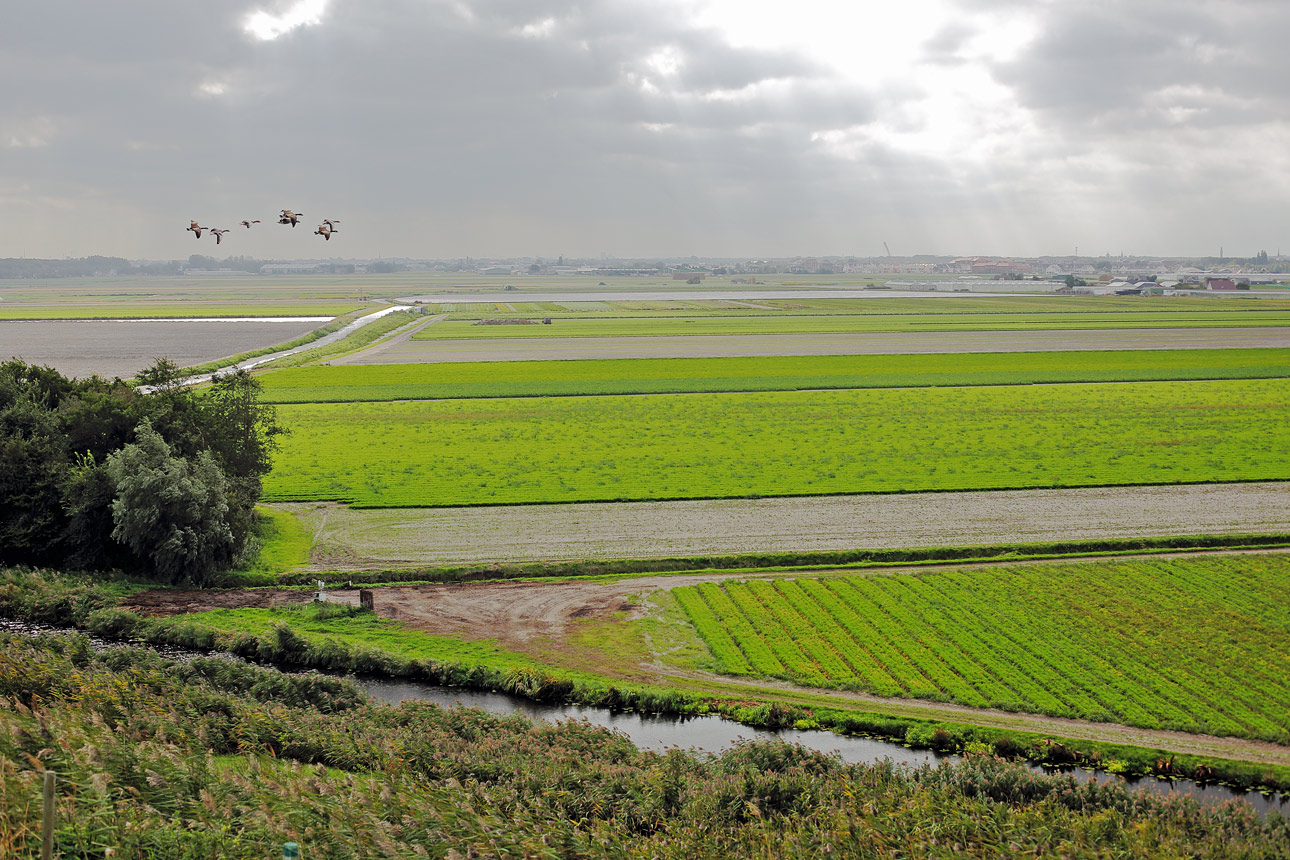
209	758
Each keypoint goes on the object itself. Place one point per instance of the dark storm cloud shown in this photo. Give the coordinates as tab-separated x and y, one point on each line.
1156	63
405	105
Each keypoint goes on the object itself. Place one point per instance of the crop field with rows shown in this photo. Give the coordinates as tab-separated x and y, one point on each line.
709	324
1196	645
564	449
338	384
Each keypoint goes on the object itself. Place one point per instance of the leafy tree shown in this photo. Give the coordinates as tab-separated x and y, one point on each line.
242	435
172	512
65	448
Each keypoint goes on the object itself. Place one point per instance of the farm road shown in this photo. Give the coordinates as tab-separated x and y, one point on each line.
535	617
407	351
349	539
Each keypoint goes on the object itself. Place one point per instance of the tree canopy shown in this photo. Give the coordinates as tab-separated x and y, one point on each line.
100	474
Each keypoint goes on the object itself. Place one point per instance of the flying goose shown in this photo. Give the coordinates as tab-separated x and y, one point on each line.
217	233
247	224
196	228
324	230
289	217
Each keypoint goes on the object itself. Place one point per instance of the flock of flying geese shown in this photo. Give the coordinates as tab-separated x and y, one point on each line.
325	229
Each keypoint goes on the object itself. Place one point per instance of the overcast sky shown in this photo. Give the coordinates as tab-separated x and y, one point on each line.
446	128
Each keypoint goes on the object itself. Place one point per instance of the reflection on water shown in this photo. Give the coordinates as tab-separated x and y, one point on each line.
714	734
708	734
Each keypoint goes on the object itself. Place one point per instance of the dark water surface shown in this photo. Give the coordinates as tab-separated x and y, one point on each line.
707	734
712	734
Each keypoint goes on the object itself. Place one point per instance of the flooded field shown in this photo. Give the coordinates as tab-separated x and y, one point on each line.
123	347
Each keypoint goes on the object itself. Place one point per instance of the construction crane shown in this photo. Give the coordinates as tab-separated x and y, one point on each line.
885	248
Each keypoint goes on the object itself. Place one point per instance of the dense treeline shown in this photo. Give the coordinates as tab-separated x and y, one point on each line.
211	758
99	474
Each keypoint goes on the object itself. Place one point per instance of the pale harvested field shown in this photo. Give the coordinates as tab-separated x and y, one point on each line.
124	347
406	351
355	539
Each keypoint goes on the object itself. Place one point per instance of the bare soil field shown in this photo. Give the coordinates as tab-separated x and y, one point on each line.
406	351
536	617
349	539
122	348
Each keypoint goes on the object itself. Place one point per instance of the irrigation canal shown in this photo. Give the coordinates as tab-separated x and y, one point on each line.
706	734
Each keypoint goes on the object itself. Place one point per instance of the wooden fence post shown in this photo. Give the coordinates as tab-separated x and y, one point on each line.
47	824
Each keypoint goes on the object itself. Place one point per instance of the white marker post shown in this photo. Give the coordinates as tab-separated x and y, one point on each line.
47	824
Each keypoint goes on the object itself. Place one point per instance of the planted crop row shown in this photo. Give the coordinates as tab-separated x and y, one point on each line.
510	451
350	383
1158	644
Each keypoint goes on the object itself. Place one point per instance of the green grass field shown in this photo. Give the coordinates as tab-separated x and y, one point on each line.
566	449
1196	645
363	630
342	384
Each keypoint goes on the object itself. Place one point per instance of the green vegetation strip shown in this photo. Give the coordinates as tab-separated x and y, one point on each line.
342	384
1194	645
569	449
210	758
364	336
850	324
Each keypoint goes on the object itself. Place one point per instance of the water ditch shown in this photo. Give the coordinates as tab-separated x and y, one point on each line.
703	734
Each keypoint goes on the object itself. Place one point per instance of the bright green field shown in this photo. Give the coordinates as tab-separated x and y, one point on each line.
366	629
339	384
653	326
565	449
1197	645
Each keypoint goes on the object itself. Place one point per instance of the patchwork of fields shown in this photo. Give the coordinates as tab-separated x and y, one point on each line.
1196	645
556	449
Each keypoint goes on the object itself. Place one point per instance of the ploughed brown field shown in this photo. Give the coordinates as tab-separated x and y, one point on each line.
403	350
348	539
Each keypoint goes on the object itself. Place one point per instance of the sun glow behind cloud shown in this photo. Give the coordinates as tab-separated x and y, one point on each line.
939	103
267	26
